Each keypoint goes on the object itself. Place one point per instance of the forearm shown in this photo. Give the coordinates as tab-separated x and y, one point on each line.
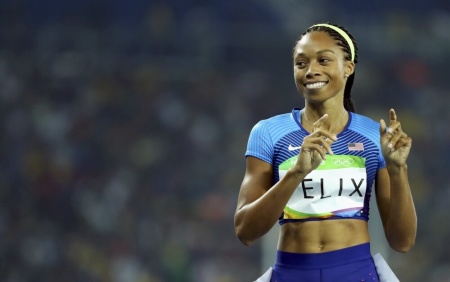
255	219
402	224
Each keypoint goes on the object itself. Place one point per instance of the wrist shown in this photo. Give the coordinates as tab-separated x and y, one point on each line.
295	172
397	168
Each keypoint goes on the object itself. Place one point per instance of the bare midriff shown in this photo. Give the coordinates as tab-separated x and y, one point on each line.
322	236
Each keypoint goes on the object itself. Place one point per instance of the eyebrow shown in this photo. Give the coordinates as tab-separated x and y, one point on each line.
319	52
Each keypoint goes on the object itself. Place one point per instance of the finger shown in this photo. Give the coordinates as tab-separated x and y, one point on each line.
325	134
320	150
317	154
318	124
397	141
393	115
323	142
382	127
394	126
384	133
327	146
404	142
312	148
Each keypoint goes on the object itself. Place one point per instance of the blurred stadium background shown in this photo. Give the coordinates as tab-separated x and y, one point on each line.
124	126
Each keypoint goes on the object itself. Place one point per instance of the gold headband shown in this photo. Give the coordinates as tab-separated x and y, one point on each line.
343	34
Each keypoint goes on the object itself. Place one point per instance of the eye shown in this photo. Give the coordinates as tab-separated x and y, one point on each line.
324	61
301	63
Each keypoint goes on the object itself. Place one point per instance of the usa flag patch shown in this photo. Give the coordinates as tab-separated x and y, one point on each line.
355	146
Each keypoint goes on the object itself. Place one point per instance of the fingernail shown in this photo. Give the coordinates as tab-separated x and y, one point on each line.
390	146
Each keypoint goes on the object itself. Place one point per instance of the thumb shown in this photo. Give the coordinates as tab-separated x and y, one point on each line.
382	127
383	133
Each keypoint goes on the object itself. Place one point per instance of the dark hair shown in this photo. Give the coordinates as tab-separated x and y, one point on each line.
348	103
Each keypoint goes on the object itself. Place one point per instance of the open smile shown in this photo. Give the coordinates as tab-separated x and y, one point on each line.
315	85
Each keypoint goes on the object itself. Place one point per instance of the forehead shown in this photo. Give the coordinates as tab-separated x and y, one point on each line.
316	41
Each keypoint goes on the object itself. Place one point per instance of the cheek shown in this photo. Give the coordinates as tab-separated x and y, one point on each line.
340	72
298	78
339	83
298	74
298	82
339	77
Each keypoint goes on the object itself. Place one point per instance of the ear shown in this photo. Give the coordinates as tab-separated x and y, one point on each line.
349	68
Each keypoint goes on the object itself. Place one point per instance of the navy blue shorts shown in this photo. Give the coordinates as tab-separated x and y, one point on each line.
347	265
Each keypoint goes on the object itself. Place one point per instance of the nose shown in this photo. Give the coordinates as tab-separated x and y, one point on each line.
312	71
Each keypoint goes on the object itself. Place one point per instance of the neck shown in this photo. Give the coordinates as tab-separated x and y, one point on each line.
337	118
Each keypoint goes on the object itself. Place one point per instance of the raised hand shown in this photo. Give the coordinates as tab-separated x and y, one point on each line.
395	144
315	147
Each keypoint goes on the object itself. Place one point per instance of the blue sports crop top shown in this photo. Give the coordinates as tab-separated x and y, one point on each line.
341	186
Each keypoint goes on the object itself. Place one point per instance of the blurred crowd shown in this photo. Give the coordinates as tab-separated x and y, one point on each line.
124	127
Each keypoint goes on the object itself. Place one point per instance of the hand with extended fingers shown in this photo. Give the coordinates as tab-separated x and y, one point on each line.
395	144
315	147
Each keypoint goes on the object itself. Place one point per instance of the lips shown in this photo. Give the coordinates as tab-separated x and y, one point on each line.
315	85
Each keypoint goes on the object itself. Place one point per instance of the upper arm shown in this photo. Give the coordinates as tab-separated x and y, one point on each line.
257	181
383	196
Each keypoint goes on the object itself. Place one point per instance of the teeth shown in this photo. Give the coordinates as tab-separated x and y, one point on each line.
315	85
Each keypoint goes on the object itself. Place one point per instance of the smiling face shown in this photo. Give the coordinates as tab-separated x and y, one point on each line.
320	68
